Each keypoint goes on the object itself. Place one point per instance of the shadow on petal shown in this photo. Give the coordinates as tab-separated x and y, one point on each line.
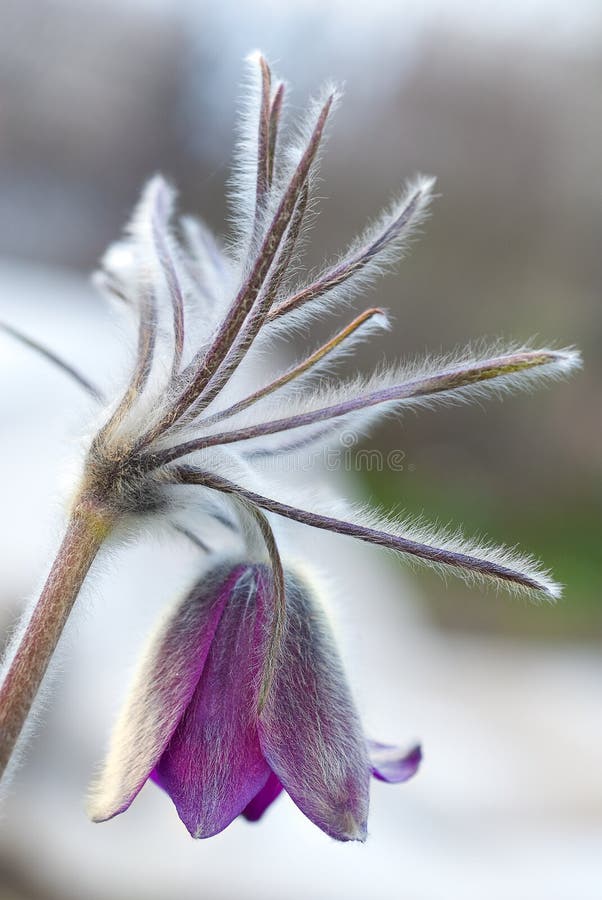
161	690
263	799
309	729
213	767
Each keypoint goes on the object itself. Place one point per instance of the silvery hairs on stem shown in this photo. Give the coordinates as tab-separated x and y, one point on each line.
191	424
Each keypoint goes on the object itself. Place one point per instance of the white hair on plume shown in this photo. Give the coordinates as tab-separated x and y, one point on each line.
197	429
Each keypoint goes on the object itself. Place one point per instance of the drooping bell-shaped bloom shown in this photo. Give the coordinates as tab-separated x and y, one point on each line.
201	722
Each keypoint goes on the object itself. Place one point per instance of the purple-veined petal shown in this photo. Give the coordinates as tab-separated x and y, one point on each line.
272	789
214	766
161	691
393	764
309	729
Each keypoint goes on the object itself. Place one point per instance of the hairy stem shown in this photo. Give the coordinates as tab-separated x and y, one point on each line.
86	531
456	378
160	226
300	369
277	628
206	362
256	320
52	357
457	560
344	270
263	142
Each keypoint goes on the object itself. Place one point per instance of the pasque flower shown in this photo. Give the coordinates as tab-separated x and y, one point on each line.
241	690
196	724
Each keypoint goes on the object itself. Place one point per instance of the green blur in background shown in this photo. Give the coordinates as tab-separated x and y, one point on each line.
505	109
564	535
503	103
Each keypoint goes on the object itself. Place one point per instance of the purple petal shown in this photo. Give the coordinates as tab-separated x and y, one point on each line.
309	729
272	789
393	764
161	691
213	766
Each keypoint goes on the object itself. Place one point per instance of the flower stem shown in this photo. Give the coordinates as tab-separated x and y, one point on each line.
87	528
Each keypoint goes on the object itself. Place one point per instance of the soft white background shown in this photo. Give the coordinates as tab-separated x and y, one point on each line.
508	803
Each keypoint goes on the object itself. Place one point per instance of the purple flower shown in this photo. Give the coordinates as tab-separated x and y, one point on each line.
196	724
242	692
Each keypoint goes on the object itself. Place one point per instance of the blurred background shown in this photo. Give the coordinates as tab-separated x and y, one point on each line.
503	103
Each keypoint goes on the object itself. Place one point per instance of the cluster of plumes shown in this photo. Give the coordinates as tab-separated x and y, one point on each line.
241	692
